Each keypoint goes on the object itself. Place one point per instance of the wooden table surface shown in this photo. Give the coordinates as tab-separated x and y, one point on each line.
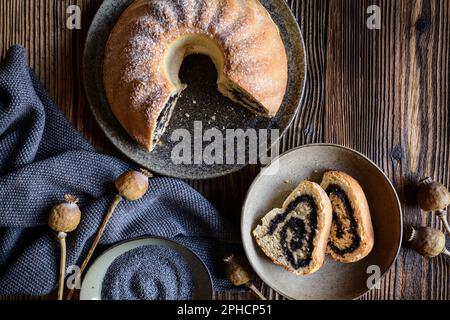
382	92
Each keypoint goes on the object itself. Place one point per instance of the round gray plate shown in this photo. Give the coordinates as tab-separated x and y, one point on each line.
210	107
334	280
91	287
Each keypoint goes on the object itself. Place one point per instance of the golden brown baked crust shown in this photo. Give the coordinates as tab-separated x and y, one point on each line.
270	244
136	81
361	212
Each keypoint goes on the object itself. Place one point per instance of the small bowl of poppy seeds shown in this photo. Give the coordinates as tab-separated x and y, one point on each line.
147	269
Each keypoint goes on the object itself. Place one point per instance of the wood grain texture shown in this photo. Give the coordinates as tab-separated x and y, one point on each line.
382	92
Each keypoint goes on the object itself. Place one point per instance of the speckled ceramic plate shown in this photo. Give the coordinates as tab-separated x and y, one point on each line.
334	280
200	102
91	287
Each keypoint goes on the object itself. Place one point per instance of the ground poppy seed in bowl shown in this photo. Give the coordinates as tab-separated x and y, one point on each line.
149	273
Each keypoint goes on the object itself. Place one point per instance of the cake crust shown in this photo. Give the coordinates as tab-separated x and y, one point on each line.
361	212
137	82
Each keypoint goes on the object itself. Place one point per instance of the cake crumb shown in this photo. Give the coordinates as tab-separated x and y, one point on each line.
187	115
213	118
194	101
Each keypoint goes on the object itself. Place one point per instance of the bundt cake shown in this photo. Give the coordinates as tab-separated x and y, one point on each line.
351	235
296	235
150	40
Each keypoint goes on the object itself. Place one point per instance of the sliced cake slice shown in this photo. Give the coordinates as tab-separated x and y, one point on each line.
295	236
351	235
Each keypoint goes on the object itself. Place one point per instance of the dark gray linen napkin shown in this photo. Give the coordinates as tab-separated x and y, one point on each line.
42	157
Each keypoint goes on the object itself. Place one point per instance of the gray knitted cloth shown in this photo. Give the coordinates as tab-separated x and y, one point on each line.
42	157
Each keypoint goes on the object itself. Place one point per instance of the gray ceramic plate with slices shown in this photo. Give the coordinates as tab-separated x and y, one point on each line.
334	280
199	102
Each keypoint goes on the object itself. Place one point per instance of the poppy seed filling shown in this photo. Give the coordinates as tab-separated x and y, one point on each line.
164	118
296	234
342	229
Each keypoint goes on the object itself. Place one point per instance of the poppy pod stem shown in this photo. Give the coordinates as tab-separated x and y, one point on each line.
64	218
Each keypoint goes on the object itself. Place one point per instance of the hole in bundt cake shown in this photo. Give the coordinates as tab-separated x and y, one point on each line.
344	237
298	229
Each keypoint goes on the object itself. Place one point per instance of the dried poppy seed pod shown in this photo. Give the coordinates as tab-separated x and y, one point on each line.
132	185
428	242
432	195
65	217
